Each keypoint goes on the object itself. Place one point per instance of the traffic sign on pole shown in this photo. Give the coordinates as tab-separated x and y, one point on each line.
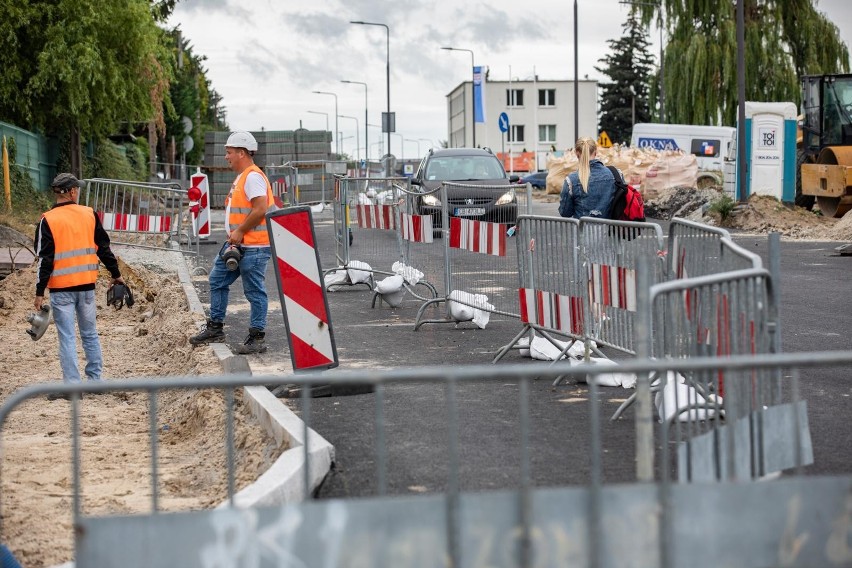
201	214
503	122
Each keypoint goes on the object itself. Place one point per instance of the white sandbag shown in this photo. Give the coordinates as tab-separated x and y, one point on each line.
364	198
686	395
335	277
625	380
385	198
359	271
390	284
479	315
317	208
411	274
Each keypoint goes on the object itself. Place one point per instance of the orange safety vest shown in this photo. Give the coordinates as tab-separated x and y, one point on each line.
240	207
75	260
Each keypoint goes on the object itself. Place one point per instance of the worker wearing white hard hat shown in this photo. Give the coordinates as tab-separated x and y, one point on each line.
245	214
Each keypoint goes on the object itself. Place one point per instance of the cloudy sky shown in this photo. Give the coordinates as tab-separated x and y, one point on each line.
265	57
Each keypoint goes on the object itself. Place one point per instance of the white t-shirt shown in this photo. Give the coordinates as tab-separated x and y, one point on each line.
255	187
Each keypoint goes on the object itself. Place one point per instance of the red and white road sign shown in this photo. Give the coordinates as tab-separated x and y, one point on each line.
376	216
417	228
135	223
202	218
300	286
613	286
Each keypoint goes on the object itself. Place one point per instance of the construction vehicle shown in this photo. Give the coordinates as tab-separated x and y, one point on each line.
824	164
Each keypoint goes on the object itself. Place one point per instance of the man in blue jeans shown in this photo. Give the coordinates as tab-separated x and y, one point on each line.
245	222
69	241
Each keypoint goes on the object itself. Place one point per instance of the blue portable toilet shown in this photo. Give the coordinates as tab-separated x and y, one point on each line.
770	136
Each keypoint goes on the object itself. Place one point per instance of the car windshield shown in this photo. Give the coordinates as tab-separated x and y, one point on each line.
462	168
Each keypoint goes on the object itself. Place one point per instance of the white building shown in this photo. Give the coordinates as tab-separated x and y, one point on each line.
541	116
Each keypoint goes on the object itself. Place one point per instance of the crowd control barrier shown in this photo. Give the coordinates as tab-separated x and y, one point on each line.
145	215
732	522
480	273
695	249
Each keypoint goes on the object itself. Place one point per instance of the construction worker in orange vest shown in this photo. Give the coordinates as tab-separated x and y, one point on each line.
245	223
69	241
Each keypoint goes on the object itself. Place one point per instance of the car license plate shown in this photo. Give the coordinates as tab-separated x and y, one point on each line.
469	211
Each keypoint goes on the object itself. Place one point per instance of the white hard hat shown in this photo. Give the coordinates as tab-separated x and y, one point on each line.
242	139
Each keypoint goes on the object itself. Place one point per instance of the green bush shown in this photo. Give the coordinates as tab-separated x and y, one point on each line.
723	206
108	161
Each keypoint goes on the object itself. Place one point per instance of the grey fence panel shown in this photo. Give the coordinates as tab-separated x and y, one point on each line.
645	524
612	252
695	249
552	285
139	214
481	265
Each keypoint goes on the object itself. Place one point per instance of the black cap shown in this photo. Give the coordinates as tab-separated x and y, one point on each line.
64	182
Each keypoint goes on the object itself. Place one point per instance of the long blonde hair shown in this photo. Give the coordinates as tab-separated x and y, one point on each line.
585	148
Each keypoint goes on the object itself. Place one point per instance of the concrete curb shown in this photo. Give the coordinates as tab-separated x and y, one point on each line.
284	482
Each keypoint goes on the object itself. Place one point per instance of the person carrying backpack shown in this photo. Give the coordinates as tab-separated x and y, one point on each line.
589	191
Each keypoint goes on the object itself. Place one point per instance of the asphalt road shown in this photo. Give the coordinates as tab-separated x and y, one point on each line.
815	287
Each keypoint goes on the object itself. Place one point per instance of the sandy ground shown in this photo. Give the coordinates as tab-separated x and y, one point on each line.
148	340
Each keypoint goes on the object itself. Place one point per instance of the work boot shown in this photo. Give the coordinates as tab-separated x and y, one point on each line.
211	333
254	342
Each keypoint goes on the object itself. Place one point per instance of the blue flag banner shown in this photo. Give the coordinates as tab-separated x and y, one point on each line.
478	102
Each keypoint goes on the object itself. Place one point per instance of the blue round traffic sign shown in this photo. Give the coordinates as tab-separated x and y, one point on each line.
503	122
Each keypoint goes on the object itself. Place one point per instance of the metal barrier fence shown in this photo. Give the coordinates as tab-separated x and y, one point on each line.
612	251
734	522
314	180
145	215
481	268
553	292
698	250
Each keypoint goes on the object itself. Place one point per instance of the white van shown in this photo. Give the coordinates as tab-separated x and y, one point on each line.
709	144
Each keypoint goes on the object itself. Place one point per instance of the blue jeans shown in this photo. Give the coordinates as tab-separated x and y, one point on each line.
70	308
253	271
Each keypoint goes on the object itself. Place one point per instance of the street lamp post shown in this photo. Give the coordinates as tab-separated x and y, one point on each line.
323	113
357	136
472	91
387	31
366	118
337	142
419	155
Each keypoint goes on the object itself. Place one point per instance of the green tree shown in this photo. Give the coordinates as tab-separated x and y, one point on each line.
784	39
624	100
90	65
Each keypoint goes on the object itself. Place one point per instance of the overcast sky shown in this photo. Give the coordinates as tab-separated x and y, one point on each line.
265	57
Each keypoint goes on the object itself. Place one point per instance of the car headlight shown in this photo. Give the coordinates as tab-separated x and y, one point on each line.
506	198
430	200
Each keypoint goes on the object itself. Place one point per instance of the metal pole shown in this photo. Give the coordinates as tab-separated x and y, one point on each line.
357	135
336	128
472	92
576	79
366	120
741	149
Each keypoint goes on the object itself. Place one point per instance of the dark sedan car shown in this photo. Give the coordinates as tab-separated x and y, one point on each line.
538	180
468	166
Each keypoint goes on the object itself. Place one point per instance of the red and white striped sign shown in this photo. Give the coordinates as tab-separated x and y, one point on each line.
552	311
279	189
199	180
613	286
300	286
135	223
376	217
417	228
478	236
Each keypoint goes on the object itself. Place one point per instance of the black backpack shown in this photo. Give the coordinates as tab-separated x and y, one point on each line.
627	203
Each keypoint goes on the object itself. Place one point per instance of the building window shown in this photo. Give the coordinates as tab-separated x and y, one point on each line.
514	97
516	133
547	133
547	97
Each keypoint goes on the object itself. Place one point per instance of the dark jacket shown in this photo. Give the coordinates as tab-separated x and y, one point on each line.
45	248
574	202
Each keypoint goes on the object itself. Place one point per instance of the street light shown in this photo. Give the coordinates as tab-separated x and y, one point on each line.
366	118
419	155
472	91
326	117
337	142
381	141
357	147
387	31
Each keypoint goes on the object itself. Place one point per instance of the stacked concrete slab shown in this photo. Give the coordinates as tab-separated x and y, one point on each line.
275	147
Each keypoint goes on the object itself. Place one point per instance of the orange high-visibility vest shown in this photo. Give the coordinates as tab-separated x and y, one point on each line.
75	260
241	207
